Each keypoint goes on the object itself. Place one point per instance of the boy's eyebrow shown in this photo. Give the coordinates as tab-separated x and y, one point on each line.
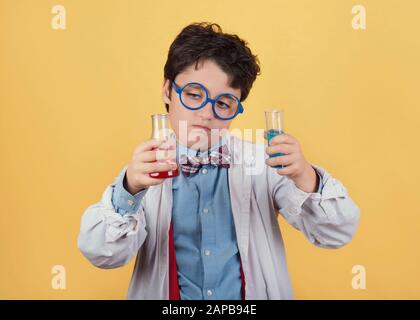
229	97
196	85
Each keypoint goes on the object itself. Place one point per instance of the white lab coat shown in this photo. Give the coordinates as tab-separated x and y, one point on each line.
257	193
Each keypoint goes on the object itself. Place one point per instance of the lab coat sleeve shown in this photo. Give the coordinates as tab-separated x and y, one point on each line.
328	219
107	238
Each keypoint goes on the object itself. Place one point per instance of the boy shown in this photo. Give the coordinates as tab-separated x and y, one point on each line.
212	231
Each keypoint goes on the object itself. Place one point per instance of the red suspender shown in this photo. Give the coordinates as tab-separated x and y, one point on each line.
242	282
173	273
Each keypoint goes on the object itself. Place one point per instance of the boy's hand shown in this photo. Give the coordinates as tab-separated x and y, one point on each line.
144	162
298	169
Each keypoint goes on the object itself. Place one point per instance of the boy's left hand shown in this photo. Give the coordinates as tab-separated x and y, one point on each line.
298	169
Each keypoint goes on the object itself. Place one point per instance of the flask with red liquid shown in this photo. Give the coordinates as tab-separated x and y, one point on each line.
161	131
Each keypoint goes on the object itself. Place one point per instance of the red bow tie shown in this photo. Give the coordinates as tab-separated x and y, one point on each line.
191	164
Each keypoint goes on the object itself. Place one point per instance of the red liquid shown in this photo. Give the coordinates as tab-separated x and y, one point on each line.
163	175
166	174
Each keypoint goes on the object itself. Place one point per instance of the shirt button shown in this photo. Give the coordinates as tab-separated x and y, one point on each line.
130	202
207	252
205	210
204	171
209	292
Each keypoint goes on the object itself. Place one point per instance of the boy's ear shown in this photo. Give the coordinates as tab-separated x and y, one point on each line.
165	92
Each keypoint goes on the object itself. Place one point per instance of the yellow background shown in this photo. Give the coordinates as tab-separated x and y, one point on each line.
74	103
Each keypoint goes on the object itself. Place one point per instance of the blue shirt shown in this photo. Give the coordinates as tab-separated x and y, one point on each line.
207	255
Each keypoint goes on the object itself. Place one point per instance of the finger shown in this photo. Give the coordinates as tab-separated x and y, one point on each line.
286	171
168	145
280	161
146	156
147	146
156	155
280	148
282	138
150	181
266	134
158	167
166	154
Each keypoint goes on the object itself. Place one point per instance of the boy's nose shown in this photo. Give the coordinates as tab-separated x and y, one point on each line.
206	112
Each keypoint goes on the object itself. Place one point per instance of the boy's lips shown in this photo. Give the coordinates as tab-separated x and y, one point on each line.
200	127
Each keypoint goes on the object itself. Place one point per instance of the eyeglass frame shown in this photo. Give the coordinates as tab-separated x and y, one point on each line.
179	90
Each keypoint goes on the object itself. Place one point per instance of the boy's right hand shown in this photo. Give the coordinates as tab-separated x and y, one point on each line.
144	162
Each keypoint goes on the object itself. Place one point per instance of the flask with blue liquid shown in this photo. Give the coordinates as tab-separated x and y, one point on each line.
274	127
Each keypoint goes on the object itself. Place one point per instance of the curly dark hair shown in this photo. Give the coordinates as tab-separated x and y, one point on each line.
202	41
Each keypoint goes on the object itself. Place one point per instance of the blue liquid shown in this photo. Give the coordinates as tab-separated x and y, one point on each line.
271	134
